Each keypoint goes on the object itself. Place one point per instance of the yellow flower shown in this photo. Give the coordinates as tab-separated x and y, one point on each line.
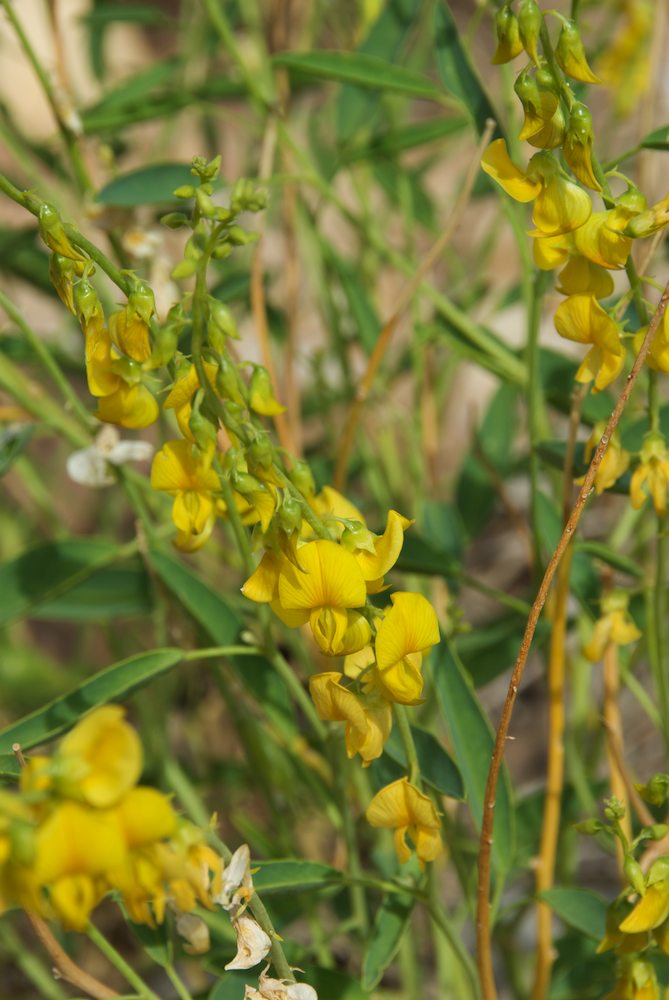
577	146
581	318
615	461
368	717
559	205
580	276
130	406
186	474
570	54
130	334
261	397
636	981
263	584
408	630
180	395
601	239
544	123
614	626
384	551
101	758
658	355
323	592
649	222
651	476
509	44
653	907
405	809
145	815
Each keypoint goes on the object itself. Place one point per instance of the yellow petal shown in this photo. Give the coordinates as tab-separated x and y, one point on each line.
129	406
145	815
560	207
320	688
263	584
339	631
130	334
73	897
581	277
651	910
293	618
388	808
403	682
498	165
330	501
77	840
178	466
387	548
410	626
429	844
331	578
550	252
103	756
601	240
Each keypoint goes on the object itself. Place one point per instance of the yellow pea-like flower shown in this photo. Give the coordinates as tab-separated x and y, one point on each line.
130	334
614	626
145	815
651	476
187	475
368	717
403	808
652	909
658	355
582	319
570	54
581	277
518	184
601	239
101	758
131	406
408	630
616	460
386	550
181	394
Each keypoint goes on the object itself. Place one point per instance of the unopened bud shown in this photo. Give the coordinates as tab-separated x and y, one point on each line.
228	382
509	44
206	170
221	319
201	427
53	233
530	20
141	301
570	54
577	146
261	397
634	874
204	203
260	453
185	191
290	515
302	478
86	303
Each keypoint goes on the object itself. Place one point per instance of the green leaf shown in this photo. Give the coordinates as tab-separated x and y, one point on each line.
333	985
365	320
472	740
615	559
491	649
437	766
659	139
457	72
112	684
293	875
579	908
223	625
355	67
13	441
394	141
155	941
147	186
73	580
9	767
22	256
390	923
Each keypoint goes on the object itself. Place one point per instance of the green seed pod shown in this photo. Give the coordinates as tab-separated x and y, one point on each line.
509	44
530	20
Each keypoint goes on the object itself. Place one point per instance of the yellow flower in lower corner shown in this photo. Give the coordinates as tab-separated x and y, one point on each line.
408	630
581	318
403	808
651	476
324	592
368	717
187	474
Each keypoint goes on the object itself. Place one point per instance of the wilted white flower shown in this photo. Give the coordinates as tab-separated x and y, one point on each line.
195	933
279	989
141	243
237	885
252	943
90	466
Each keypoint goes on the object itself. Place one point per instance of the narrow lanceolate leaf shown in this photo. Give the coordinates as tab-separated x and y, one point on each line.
472	741
457	72
291	875
112	684
582	909
389	926
76	580
147	186
363	70
659	139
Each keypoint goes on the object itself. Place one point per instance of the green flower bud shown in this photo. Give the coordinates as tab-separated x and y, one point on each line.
570	54
206	170
221	251
577	146
240	237
634	874
204	203
590	827
185	191
614	809
184	269
302	478
657	831
86	302
659	871
174	220
228	382
201	427
63	272
530	20
260	452
656	791
221	319
53	233
141	301
509	44
261	397
244	483
290	515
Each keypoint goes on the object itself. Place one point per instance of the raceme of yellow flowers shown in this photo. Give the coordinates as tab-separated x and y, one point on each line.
320	563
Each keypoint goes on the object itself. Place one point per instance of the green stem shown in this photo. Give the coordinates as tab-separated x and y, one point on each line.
221	652
191	801
29	964
402	719
177	982
441	920
660	608
217	17
535	409
117	960
356	891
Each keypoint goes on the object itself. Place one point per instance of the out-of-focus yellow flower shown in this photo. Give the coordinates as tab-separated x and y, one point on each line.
614	626
187	475
368	717
636	981
582	319
544	122
403	808
651	476
408	630
649	222
324	591
101	758
616	460
653	907
625	65
658	355
570	54
559	205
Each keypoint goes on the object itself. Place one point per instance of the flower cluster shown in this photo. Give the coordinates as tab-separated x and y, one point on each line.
82	827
